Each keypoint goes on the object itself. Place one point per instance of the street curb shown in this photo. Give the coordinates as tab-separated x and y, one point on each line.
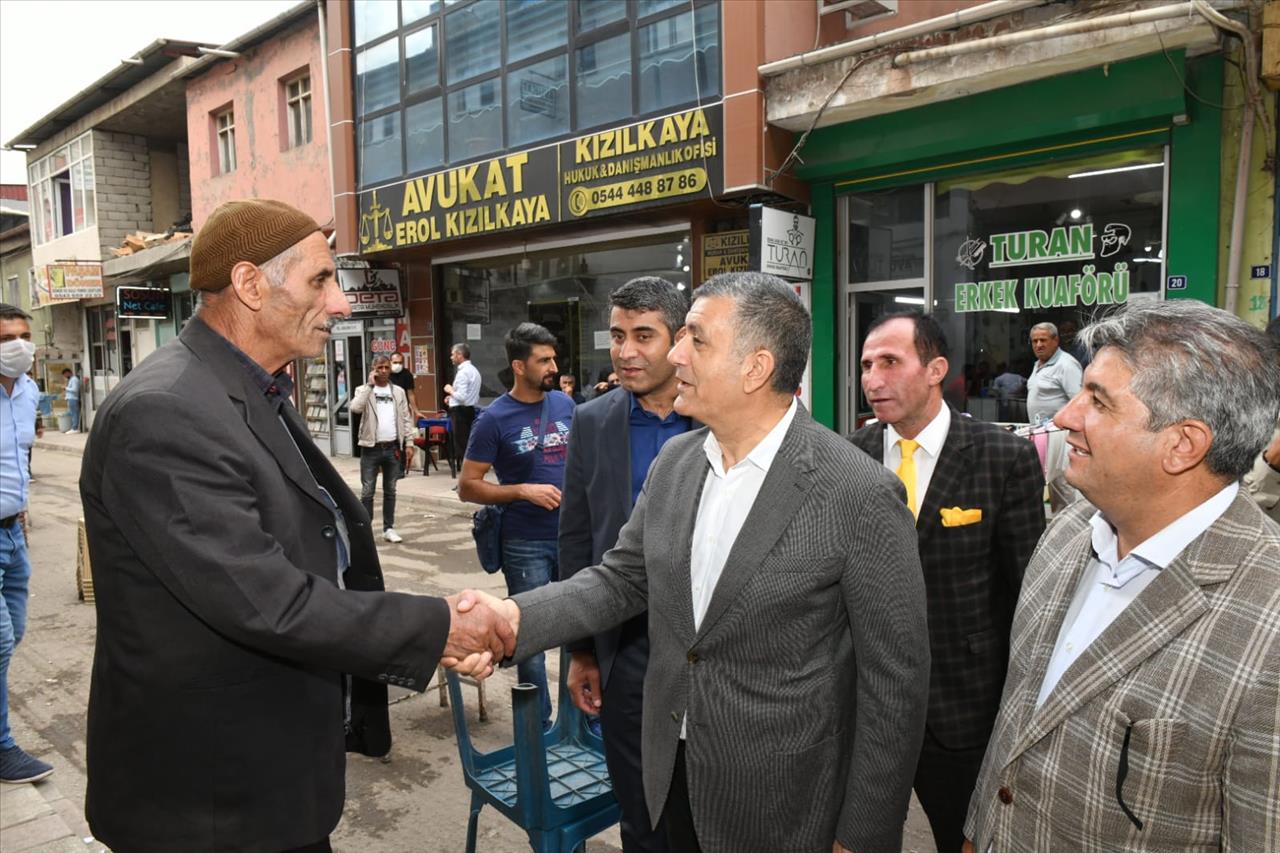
41	444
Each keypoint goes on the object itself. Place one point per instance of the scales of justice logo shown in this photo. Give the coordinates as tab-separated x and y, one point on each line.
375	226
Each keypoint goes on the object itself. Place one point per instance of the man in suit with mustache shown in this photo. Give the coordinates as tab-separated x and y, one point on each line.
978	494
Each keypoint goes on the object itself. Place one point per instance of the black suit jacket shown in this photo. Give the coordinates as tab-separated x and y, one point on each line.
596	499
973	572
216	709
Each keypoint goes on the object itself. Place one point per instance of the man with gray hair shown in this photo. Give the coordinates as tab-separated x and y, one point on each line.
1055	378
1140	707
788	672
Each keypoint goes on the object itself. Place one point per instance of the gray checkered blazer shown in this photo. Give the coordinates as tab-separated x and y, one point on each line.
806	684
1165	734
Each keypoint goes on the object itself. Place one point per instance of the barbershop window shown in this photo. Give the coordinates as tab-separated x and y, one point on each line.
992	254
566	290
518	74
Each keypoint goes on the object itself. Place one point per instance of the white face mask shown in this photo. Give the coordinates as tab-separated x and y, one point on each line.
396	367
16	357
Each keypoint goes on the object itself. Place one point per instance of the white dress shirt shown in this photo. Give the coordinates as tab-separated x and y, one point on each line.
1110	584
466	386
727	498
931	439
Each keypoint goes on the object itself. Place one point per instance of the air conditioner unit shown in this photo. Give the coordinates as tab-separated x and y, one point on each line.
858	11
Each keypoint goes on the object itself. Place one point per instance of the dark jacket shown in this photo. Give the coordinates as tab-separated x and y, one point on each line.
973	572
216	709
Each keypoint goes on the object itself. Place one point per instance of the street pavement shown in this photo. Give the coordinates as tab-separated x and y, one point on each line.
413	801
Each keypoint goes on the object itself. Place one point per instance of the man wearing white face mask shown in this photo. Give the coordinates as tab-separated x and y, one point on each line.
18	398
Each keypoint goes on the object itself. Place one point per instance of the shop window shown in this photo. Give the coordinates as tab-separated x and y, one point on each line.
536	26
513	74
377	77
225	126
566	290
537	101
680	59
602	82
475	120
424	130
413	10
373	18
886	235
298	110
380	148
993	254
471	36
421	60
593	14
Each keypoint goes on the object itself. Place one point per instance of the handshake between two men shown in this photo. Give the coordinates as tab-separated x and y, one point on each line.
482	632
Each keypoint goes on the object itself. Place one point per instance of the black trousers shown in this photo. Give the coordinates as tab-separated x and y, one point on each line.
677	815
460	420
945	779
385	461
620	718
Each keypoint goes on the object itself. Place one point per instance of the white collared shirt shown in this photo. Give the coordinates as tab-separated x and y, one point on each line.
1110	584
931	439
466	386
727	498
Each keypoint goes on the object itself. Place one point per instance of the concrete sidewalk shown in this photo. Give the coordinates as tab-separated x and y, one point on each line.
36	818
435	489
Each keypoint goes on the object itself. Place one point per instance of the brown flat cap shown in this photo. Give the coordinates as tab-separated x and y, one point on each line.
252	229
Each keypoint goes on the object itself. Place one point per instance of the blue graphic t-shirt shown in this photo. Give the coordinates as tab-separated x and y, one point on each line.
506	437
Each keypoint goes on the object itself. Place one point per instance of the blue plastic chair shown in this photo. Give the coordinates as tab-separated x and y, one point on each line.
554	786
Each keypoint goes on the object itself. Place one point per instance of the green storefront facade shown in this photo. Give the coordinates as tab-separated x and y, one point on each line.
1146	129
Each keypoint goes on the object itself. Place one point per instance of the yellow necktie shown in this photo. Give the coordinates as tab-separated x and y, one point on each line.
907	472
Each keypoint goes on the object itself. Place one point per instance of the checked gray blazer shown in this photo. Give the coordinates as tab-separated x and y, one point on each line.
806	685
1164	735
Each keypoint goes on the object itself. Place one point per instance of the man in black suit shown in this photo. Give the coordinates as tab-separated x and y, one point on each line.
244	637
978	495
614	440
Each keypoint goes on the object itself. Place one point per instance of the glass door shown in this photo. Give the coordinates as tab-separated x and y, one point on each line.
884	240
346	374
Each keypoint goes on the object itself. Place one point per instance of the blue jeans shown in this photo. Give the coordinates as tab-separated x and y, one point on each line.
372	461
73	409
528	564
15	573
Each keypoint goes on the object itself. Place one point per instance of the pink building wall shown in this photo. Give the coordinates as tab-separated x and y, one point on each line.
253	85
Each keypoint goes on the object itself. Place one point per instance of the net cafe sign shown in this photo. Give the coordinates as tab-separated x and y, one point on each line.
659	160
1090	286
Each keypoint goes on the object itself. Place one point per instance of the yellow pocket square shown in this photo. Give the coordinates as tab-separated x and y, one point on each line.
957	517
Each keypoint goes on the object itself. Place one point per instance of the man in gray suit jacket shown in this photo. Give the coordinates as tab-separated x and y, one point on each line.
788	647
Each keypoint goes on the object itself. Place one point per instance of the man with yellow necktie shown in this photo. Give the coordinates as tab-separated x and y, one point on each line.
976	492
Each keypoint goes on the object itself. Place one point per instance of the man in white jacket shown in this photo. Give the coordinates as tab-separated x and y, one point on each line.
386	433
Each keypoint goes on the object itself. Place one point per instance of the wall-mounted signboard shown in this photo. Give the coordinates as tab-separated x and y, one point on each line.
74	281
656	161
782	243
372	292
144	303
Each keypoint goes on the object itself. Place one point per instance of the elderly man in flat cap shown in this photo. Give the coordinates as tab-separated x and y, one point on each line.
244	638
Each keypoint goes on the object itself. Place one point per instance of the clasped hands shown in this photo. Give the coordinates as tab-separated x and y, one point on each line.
482	632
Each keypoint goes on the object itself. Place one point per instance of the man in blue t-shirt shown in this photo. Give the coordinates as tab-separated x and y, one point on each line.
524	436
